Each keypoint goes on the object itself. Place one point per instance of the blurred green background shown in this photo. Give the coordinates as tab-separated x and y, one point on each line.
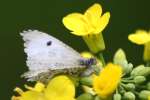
46	15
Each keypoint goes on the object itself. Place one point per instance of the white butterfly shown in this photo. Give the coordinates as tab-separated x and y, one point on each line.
46	55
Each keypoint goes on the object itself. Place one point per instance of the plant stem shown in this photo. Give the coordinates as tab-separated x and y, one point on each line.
127	81
100	55
148	63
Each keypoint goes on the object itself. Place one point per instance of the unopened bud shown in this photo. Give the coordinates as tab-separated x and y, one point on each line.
130	67
97	98
129	96
144	94
88	90
139	79
119	56
140	70
86	81
130	86
117	97
148	86
85	96
120	59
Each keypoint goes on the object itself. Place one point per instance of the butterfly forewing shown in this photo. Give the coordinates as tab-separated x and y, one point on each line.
45	53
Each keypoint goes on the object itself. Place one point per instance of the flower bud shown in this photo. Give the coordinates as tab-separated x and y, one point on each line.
120	59
119	56
88	90
128	68
130	65
97	98
140	70
85	96
148	86
129	96
130	86
117	97
139	79
144	94
86	81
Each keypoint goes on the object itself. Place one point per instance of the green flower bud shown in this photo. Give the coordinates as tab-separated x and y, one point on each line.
129	86
129	96
88	90
148	86
85	96
144	94
97	98
86	81
129	68
119	56
139	79
117	97
120	59
140	70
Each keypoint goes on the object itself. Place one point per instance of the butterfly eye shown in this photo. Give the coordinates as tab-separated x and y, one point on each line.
49	43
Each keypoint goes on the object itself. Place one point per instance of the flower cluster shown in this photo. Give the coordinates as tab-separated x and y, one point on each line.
116	80
55	90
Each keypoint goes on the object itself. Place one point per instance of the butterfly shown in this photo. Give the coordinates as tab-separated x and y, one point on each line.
47	56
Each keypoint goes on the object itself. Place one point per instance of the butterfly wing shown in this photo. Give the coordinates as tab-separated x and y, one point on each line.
45	53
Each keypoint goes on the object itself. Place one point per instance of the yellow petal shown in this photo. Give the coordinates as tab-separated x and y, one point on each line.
60	88
39	87
18	90
93	14
32	95
102	23
148	97
76	23
95	9
104	84
140	37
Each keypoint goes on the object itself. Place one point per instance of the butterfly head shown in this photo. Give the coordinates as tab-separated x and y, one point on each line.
88	62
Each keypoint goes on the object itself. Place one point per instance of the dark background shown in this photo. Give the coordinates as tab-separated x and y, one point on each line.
46	15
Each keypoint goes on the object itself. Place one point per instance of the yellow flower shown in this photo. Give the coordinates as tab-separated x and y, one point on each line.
32	94
91	22
89	25
59	88
142	37
107	81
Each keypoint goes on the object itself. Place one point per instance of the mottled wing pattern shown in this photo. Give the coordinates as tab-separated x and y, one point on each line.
45	53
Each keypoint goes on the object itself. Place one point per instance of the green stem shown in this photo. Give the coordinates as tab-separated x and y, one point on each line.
135	92
148	63
127	81
128	78
100	55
